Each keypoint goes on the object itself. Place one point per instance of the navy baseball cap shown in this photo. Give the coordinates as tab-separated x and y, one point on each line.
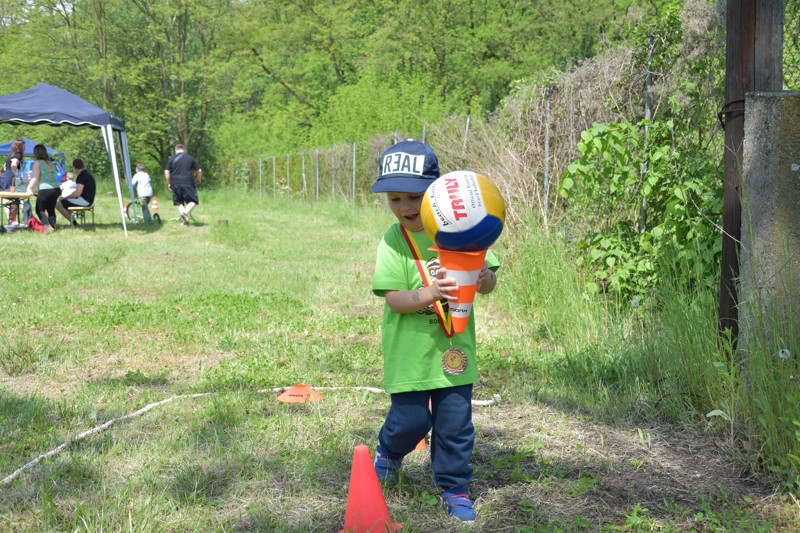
408	166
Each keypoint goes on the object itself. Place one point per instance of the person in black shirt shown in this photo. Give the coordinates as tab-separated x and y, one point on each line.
183	174
84	193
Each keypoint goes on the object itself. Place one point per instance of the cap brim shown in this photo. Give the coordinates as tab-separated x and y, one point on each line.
402	184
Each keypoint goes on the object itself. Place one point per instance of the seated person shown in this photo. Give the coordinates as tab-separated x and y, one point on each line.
84	193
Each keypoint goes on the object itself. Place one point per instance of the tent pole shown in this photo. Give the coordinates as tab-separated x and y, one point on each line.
126	162
108	135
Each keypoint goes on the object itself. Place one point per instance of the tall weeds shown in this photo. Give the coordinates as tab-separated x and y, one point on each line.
769	357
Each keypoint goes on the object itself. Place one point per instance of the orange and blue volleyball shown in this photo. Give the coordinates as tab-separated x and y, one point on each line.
463	211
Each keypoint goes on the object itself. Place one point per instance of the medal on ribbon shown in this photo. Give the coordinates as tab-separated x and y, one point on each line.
454	361
444	316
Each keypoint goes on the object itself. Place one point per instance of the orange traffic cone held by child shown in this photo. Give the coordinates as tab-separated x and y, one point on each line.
464	267
366	507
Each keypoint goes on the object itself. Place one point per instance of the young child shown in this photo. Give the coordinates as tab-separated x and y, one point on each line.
144	190
68	185
416	338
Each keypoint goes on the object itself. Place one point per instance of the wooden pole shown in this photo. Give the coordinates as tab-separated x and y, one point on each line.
754	56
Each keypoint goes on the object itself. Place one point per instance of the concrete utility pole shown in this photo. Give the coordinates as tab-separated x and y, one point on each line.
754	56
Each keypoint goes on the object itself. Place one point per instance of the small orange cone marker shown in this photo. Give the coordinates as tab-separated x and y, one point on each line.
154	203
421	445
299	393
464	267
366	508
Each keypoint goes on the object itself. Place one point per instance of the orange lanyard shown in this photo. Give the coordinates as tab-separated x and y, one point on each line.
444	316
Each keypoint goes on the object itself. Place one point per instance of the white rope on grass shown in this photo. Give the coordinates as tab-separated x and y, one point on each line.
102	427
95	430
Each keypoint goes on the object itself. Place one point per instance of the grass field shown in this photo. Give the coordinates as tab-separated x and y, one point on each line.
259	295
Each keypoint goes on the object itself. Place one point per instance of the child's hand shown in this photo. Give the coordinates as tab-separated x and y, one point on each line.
482	274
486	277
444	287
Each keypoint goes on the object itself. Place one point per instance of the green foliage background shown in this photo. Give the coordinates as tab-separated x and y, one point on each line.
246	79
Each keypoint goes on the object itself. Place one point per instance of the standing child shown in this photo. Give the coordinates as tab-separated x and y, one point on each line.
416	337
144	189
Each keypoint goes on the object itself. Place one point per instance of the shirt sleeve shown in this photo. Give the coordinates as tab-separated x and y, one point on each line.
491	261
390	268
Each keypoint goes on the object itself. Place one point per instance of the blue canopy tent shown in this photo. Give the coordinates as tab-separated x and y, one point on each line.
5	149
53	106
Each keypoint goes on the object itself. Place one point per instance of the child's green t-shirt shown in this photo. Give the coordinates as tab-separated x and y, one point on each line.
413	343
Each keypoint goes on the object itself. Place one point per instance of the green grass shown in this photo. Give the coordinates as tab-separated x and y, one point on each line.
264	294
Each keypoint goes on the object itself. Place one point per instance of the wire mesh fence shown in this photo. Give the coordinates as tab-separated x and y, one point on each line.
791	45
343	172
346	172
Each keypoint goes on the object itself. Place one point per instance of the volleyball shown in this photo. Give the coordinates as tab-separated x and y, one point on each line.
463	211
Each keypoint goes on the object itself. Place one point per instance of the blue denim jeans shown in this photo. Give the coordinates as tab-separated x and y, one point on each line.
453	436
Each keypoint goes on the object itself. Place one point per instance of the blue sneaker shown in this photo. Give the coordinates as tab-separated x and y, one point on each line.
388	470
457	504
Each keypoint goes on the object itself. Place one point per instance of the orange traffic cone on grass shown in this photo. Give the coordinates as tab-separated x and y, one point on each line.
299	393
366	507
464	267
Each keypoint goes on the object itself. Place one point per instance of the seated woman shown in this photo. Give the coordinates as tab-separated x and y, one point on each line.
9	173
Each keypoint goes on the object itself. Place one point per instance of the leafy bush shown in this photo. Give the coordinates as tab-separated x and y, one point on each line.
645	201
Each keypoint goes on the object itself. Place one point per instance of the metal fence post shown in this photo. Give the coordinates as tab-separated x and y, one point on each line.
466	133
316	178
354	175
303	167
289	174
274	179
260	177
547	93
648	105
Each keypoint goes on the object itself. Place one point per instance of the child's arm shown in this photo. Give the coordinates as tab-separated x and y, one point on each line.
413	301
487	279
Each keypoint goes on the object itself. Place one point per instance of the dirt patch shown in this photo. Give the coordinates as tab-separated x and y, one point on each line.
554	467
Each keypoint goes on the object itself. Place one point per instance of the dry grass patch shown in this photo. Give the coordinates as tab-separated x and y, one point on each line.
546	466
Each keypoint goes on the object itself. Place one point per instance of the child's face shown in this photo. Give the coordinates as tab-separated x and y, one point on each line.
405	207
